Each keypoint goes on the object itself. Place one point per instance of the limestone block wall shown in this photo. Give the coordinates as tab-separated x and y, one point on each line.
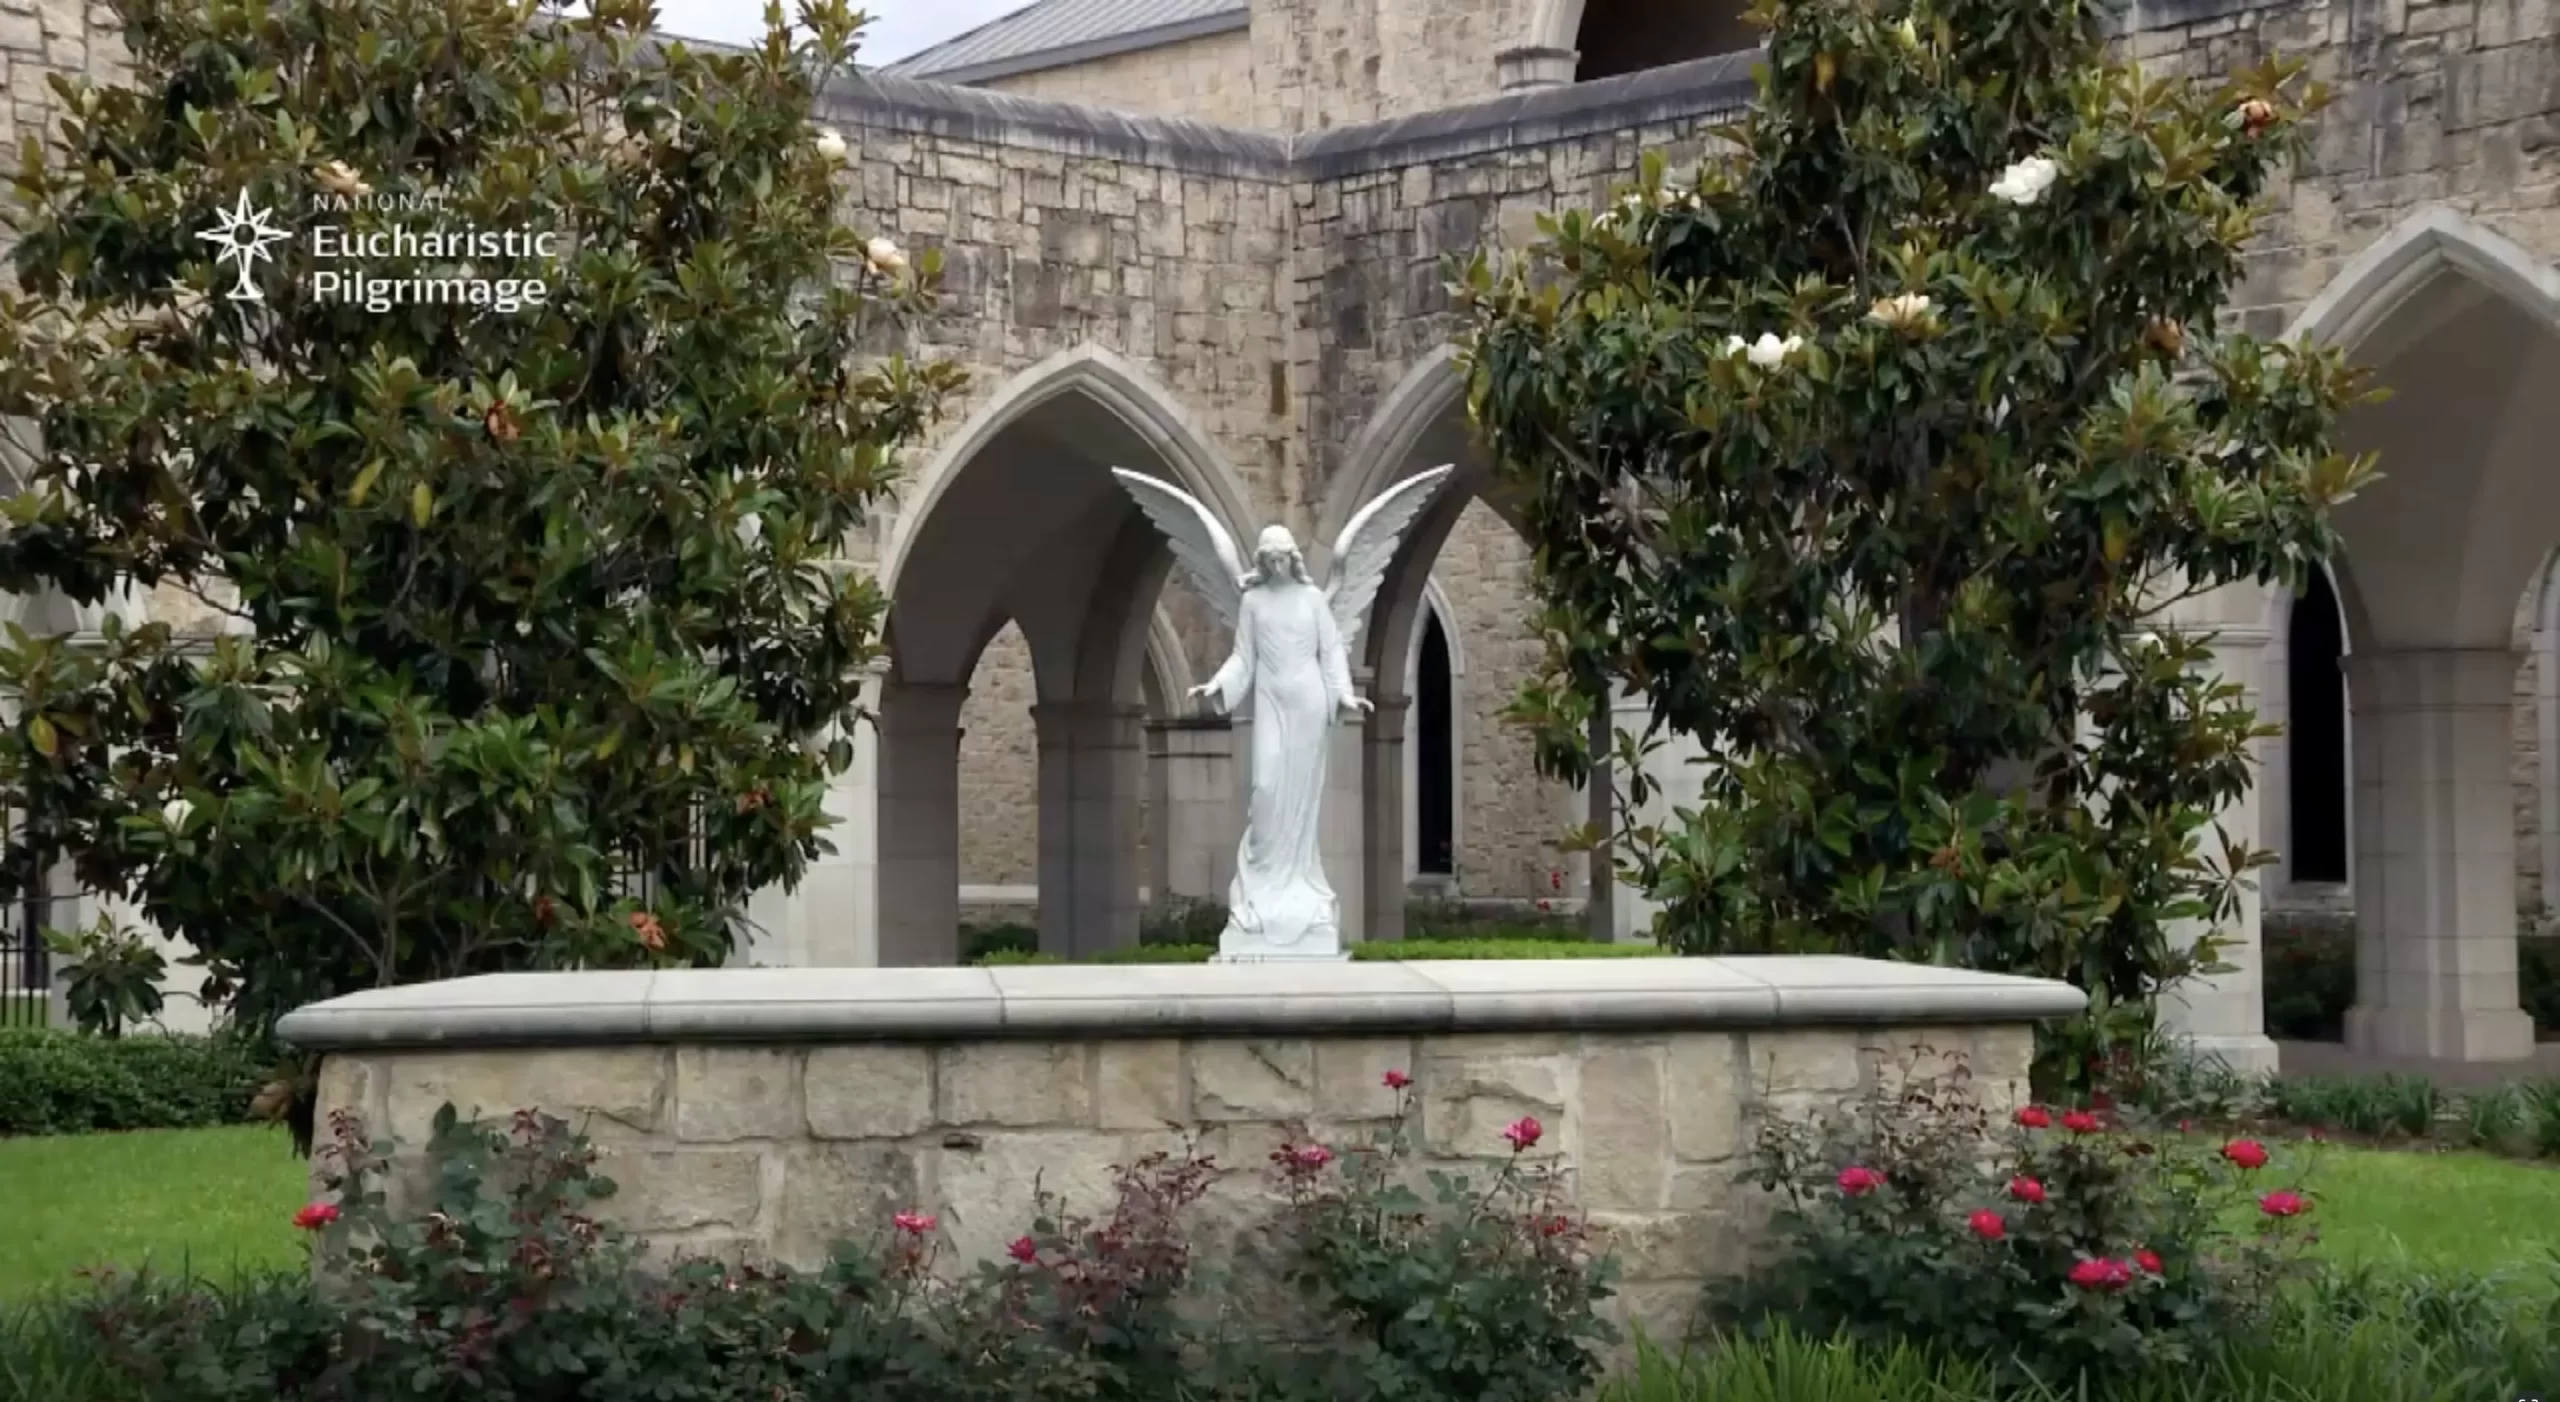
2438	101
1209	79
757	1116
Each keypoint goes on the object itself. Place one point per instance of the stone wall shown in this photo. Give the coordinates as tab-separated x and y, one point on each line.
770	1119
1208	79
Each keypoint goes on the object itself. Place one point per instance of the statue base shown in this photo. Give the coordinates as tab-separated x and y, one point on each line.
1258	957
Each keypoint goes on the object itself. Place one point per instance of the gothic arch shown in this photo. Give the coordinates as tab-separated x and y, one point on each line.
1106	378
2433	243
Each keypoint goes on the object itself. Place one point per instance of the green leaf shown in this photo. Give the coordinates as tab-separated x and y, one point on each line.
422	504
363	485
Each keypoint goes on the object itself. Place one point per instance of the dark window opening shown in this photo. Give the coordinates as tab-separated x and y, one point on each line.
2316	734
1629	36
1436	762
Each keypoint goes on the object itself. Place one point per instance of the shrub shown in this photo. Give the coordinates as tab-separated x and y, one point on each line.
58	1082
2063	1246
490	1274
1487	1294
2311	979
541	656
1810	466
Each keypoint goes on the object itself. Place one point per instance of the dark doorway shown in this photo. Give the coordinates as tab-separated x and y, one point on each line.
2316	733
1629	36
1435	765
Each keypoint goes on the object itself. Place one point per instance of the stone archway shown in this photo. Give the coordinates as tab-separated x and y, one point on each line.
1421	424
2464	328
1580	41
1016	519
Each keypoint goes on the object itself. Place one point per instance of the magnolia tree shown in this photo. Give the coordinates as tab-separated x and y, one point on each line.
1877	455
503	385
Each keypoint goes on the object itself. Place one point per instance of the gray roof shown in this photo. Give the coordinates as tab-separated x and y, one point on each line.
1054	33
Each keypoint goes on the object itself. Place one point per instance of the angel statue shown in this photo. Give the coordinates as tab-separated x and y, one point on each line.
1292	660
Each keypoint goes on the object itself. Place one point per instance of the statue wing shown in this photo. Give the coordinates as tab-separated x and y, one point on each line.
1208	554
1367	546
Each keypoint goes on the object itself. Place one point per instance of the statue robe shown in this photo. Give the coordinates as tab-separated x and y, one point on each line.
1290	661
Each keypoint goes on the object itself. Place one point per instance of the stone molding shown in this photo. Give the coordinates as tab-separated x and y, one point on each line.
881	103
1093	1002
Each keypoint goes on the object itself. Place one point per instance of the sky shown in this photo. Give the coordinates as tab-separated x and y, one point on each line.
898	27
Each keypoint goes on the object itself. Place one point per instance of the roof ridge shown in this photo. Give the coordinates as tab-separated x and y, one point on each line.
1051	33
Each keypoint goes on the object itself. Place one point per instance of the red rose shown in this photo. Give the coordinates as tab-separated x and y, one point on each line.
1555	1226
1311	1155
1024	1249
2281	1203
2248	1153
1858	1182
2034	1117
2079	1121
2099	1273
1523	1132
316	1216
913	1223
2026	1189
1986	1224
2148	1259
1395	1080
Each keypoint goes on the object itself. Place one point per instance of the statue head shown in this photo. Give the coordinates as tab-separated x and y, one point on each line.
1276	557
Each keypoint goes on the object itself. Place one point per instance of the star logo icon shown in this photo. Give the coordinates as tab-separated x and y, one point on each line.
240	236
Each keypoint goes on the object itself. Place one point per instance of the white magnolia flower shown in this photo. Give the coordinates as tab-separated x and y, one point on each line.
338	178
2026	182
1902	312
830	145
884	256
1735	345
750	529
175	812
1908	33
1768	352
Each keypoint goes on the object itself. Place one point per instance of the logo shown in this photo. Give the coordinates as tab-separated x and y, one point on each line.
241	235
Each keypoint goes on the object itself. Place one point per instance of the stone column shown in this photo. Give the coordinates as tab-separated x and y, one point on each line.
2435	855
2546	762
1193	812
831	920
919	824
1600	810
1090	772
1384	791
1340	844
1673	770
2224	1015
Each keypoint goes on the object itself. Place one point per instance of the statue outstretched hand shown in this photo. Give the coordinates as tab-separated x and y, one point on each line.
1353	701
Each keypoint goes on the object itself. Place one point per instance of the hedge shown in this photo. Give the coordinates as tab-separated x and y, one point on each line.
1386	950
60	1082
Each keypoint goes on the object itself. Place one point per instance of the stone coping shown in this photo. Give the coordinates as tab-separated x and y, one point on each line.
1509	121
1095	1002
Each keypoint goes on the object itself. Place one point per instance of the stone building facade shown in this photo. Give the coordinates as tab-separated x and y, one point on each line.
1204	239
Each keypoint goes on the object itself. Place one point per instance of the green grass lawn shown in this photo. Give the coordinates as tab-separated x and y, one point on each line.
213	1201
2437	1212
217	1201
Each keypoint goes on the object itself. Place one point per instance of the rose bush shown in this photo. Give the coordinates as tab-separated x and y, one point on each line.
2099	1247
496	1276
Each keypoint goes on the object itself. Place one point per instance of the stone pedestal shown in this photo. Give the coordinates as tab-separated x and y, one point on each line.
2435	857
919	833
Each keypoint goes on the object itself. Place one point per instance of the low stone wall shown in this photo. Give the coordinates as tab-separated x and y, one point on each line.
765	1114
